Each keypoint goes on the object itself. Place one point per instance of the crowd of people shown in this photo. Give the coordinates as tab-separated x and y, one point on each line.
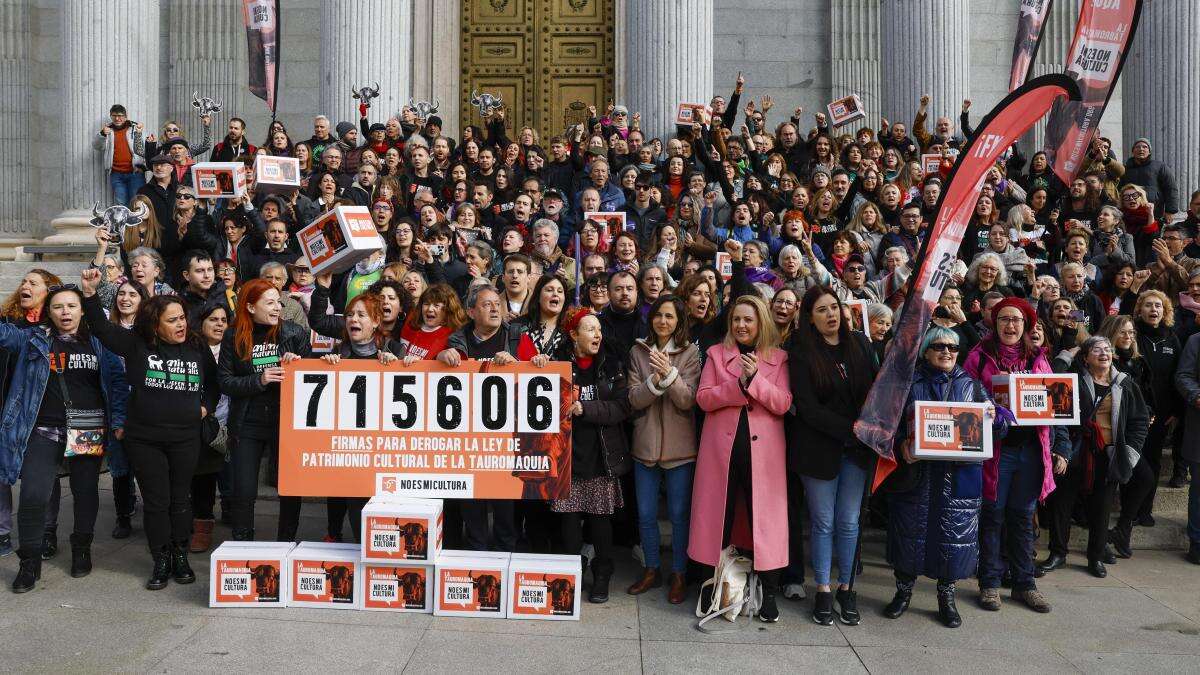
719	365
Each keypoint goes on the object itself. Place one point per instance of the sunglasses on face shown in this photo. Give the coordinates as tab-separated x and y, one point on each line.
944	347
184	195
172	130
856	268
642	187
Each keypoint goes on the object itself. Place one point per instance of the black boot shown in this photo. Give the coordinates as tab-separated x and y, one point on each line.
123	528
947	611
899	603
768	612
81	555
847	602
162	569
243	535
50	543
29	572
287	534
601	574
1119	536
181	571
226	511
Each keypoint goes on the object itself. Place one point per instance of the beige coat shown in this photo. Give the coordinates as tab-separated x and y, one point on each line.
664	431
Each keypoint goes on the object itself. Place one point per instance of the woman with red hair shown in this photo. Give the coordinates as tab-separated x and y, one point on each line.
250	371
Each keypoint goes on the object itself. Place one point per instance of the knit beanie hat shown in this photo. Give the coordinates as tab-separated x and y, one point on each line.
1021	305
1146	141
343	128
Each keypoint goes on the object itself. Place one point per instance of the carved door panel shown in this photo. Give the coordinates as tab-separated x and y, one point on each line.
547	59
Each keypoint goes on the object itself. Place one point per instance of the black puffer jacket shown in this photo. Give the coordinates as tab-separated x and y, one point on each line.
598	434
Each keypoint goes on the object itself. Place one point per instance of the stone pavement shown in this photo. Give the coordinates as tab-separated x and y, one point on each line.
1144	617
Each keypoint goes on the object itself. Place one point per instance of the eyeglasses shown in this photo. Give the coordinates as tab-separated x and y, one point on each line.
61	287
1131	197
171	130
383	207
184	195
784	303
1010	319
944	347
1099	350
856	268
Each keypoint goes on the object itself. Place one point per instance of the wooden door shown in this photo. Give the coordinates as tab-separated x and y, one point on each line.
547	60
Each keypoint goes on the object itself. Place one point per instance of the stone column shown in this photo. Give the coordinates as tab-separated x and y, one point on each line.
1161	83
669	59
436	40
927	43
364	42
855	56
208	57
107	57
16	224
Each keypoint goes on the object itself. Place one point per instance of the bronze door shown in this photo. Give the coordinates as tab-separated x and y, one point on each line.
546	59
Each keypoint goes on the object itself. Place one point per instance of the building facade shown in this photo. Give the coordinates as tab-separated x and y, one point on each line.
64	62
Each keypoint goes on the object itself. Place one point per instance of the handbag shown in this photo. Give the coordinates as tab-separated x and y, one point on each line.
214	434
736	590
85	428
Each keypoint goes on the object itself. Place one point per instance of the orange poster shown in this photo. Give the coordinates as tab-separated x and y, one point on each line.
952	431
360	428
398	588
1044	399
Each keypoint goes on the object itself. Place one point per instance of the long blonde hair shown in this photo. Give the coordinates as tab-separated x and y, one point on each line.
153	235
768	335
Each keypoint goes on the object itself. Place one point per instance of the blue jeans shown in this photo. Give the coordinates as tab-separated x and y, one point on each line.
834	506
1193	526
679	504
1018	486
126	185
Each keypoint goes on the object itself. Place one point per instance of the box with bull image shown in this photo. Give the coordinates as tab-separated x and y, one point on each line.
398	529
339	238
471	583
249	574
543	586
392	587
324	576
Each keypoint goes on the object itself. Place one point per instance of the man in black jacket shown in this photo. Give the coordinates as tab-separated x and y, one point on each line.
486	338
621	321
1155	178
234	144
644	214
161	188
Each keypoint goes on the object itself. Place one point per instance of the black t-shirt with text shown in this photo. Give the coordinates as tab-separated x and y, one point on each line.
74	362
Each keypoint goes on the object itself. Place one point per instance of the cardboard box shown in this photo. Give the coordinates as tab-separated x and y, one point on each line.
859	319
688	113
931	163
339	238
396	588
321	344
219	180
725	265
401	529
1039	399
952	431
611	223
276	175
472	583
324	576
845	110
249	573
546	587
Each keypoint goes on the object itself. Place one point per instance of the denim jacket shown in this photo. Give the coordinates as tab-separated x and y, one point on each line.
30	364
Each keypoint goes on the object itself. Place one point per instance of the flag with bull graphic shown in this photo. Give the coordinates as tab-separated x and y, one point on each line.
261	18
1102	37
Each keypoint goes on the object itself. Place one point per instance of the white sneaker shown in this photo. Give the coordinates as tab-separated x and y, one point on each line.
638	554
794	591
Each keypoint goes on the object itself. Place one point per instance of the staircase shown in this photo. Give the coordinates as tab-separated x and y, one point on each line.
11	273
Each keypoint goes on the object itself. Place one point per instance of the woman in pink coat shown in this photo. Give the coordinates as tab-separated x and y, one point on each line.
740	493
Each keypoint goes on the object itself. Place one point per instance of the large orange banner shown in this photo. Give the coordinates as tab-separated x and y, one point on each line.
360	428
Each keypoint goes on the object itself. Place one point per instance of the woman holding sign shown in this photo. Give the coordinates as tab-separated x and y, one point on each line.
933	506
1104	451
1021	473
250	371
